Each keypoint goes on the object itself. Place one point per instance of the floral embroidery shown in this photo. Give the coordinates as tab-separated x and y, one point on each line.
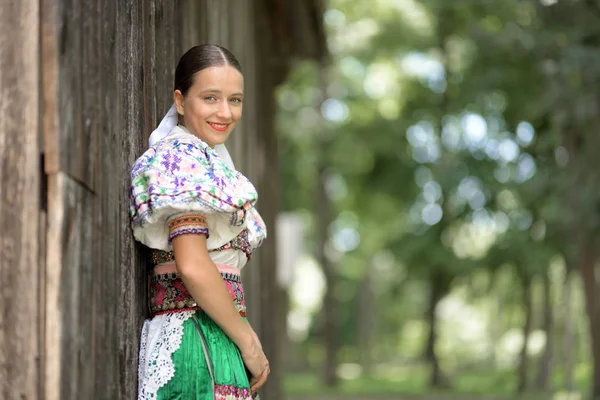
182	173
236	291
241	242
161	257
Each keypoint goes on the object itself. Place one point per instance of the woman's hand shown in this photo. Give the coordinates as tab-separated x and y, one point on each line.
256	362
254	382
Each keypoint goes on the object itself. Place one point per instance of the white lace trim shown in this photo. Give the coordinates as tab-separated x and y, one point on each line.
161	337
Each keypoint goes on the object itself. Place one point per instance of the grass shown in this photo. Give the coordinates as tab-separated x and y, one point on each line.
411	383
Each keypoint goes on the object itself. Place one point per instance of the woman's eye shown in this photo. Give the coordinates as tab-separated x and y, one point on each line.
210	98
236	100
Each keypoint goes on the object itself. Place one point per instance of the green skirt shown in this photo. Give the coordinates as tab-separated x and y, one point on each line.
208	365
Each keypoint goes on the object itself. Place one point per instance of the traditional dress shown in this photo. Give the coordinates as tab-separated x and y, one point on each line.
180	185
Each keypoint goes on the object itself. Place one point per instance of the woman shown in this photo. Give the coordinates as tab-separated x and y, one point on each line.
196	213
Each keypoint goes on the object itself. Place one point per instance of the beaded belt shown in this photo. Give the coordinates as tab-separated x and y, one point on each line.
168	294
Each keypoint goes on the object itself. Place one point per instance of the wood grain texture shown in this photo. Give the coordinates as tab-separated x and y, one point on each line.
100	110
129	274
19	200
72	143
98	76
68	268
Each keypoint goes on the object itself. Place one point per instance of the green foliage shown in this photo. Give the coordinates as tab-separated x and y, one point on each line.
460	137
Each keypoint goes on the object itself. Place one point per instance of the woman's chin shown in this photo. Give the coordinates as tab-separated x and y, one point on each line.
214	138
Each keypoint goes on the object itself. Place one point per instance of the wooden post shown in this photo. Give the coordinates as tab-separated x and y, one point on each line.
19	201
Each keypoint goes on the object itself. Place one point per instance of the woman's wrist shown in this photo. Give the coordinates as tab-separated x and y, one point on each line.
246	342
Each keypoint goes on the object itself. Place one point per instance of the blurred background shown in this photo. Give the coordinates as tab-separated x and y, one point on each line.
439	226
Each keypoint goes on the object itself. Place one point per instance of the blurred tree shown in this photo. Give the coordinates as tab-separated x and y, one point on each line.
457	137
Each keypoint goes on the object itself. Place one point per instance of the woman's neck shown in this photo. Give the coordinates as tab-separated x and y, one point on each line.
187	131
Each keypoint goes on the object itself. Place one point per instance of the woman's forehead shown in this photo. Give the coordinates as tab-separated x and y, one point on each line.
224	78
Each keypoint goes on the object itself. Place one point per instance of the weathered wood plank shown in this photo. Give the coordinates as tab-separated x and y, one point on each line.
70	147
51	147
127	276
149	64
266	179
19	200
50	84
105	268
164	25
244	139
95	286
137	120
192	25
91	97
69	244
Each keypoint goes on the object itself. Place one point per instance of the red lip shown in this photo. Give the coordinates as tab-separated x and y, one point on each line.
218	127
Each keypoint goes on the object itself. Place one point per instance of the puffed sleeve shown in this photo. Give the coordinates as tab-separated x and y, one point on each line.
183	177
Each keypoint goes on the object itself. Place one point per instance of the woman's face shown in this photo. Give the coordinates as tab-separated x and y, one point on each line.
213	105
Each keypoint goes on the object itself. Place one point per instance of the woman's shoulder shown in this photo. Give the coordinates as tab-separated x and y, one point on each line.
180	173
177	153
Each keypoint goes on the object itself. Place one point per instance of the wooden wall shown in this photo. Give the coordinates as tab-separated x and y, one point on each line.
106	67
82	85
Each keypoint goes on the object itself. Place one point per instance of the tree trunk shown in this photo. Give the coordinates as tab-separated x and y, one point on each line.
574	142
496	330
524	361
365	323
330	339
439	288
330	336
569	334
546	361
591	287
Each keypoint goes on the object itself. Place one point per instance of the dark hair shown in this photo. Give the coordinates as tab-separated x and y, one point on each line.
198	58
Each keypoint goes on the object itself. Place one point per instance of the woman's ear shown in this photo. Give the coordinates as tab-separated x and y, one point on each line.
178	98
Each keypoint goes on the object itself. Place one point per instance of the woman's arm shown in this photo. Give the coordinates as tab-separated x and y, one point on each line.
254	335
204	282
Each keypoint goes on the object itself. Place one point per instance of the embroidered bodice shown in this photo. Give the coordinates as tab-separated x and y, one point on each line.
180	175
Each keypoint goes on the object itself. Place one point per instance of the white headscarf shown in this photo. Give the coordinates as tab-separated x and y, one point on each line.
167	124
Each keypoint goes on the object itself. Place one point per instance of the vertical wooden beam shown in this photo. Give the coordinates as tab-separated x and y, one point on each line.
126	279
69	243
262	153
50	125
20	179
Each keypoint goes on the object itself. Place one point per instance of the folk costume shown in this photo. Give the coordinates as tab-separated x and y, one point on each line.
180	185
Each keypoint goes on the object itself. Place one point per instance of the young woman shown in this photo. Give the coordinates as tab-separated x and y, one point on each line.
196	213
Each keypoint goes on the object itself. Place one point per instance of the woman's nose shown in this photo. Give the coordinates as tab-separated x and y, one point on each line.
224	110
